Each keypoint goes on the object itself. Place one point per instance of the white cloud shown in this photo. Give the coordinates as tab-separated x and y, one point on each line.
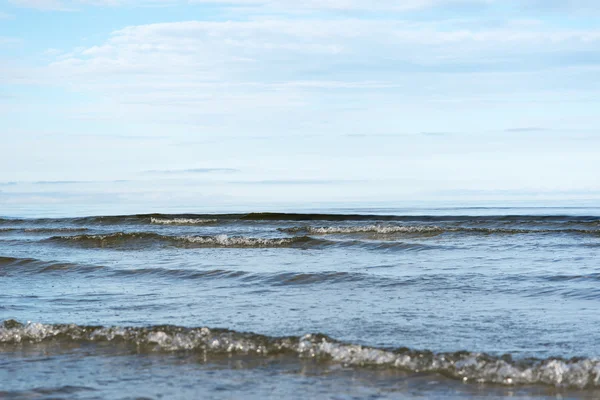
301	75
278	50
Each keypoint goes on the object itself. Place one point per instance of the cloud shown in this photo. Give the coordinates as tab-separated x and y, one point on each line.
282	74
198	62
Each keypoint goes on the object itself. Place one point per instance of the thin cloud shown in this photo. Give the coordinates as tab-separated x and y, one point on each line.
436	133
193	171
295	182
58	182
9	41
375	135
43	183
527	129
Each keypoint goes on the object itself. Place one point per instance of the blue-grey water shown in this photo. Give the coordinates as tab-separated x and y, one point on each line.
451	303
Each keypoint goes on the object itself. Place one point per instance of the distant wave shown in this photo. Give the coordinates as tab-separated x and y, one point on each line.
465	366
424	230
417	218
152	218
143	239
139	240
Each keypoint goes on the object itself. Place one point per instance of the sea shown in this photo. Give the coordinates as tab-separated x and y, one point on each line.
343	303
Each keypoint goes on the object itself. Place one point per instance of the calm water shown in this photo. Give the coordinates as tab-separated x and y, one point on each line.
454	303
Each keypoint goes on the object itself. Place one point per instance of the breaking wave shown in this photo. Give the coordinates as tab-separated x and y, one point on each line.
382	229
465	366
144	239
423	230
139	240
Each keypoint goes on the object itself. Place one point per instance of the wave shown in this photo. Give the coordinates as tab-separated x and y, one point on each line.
16	266
44	230
13	265
144	239
424	230
53	230
275	279
465	366
141	240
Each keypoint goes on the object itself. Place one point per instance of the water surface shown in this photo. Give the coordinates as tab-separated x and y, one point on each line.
454	303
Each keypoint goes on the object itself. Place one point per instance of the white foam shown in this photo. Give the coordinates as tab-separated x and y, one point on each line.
383	229
181	221
238	241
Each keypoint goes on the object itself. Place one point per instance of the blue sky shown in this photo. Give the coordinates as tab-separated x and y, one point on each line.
272	102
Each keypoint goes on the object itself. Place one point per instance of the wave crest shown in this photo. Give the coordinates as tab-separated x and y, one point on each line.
382	229
182	221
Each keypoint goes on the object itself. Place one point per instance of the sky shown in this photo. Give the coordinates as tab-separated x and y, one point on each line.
149	103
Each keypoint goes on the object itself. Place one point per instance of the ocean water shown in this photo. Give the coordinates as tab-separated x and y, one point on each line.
454	303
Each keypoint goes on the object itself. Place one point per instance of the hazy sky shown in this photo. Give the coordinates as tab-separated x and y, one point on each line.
318	100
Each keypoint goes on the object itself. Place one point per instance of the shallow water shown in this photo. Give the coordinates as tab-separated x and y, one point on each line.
460	303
